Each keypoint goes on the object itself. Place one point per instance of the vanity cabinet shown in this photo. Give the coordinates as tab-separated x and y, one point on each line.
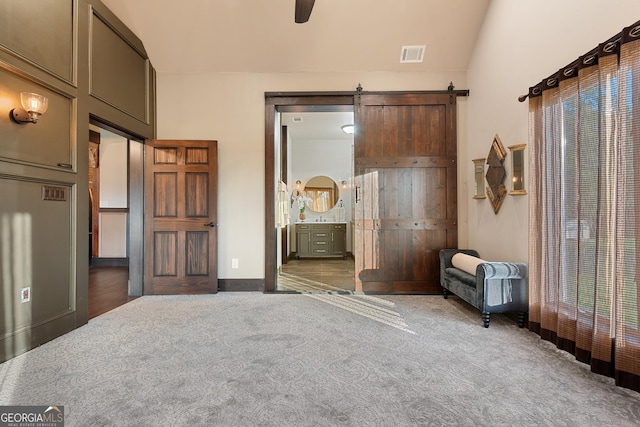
321	240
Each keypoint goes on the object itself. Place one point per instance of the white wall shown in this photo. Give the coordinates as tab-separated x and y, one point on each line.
332	158
521	43
113	170
113	194
235	116
113	235
322	158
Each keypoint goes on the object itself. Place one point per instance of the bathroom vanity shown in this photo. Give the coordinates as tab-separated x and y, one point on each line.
321	239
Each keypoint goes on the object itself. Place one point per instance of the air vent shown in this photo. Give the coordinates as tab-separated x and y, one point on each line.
412	54
54	193
297	119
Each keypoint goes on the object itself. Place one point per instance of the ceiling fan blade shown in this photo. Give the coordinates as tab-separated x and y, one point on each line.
303	10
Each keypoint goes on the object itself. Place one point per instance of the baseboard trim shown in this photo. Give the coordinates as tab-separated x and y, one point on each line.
109	262
241	285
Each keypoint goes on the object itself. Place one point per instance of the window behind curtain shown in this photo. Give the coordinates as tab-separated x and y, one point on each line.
585	226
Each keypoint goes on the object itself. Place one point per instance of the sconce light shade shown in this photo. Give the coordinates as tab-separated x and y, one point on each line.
33	106
348	129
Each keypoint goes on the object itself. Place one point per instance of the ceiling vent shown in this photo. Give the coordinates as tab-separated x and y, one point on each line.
412	54
297	119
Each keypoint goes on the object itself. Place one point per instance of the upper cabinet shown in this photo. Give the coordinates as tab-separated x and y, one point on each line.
42	33
119	69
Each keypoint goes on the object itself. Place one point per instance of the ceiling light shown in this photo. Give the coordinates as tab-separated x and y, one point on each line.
348	129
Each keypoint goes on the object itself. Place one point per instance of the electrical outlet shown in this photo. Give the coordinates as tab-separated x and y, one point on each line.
234	263
25	294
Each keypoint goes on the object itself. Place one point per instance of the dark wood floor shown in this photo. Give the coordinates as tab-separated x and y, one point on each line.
108	289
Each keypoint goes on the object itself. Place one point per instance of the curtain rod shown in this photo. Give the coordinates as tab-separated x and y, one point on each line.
609	47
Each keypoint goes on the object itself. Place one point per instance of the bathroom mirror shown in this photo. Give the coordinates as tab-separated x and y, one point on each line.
323	194
517	170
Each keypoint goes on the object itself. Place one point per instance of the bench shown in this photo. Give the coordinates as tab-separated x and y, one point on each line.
491	287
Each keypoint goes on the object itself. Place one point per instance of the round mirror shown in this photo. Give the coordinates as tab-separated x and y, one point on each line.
322	193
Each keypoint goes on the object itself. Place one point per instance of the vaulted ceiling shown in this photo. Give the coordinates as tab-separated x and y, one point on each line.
260	36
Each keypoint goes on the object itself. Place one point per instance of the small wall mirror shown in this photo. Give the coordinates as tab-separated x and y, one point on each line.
478	173
323	193
517	170
496	173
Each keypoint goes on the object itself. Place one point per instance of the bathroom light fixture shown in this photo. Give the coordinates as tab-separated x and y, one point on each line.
344	183
298	183
348	129
33	106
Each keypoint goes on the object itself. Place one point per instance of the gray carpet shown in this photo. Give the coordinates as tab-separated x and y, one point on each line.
248	359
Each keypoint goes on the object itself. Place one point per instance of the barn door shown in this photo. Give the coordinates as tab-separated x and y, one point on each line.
406	202
180	217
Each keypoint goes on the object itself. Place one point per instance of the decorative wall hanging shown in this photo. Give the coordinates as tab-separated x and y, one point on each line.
517	168
496	191
478	174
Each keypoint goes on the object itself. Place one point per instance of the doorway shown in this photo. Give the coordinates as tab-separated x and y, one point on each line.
115	218
276	175
317	167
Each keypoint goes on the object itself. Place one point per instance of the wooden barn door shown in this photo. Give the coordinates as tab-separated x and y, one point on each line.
406	196
181	190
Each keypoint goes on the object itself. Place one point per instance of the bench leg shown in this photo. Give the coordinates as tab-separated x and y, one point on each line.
521	319
445	293
486	318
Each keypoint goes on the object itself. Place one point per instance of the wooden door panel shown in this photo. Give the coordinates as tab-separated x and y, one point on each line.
197	156
196	191
165	251
197	253
180	209
166	194
406	208
165	155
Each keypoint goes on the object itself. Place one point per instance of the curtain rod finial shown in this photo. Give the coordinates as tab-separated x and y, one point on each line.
522	98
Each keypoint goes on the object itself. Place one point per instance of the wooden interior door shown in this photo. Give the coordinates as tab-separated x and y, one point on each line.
180	217
406	195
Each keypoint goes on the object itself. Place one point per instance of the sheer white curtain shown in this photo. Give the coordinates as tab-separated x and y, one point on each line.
585	208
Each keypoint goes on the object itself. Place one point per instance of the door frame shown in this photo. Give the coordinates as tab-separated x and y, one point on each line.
277	102
283	102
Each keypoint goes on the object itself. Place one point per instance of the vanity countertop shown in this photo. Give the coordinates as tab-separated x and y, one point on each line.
312	221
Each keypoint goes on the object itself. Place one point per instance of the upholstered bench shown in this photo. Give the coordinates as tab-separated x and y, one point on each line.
491	287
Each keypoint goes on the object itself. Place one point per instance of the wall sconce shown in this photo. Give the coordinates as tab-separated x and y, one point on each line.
298	184
33	105
348	129
343	183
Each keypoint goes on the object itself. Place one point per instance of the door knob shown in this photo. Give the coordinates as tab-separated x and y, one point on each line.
210	224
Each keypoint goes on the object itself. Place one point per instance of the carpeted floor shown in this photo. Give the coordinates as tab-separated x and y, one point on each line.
249	359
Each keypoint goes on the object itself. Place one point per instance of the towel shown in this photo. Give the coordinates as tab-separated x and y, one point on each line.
282	211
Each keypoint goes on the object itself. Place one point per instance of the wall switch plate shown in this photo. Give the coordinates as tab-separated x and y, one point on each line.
25	294
234	263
